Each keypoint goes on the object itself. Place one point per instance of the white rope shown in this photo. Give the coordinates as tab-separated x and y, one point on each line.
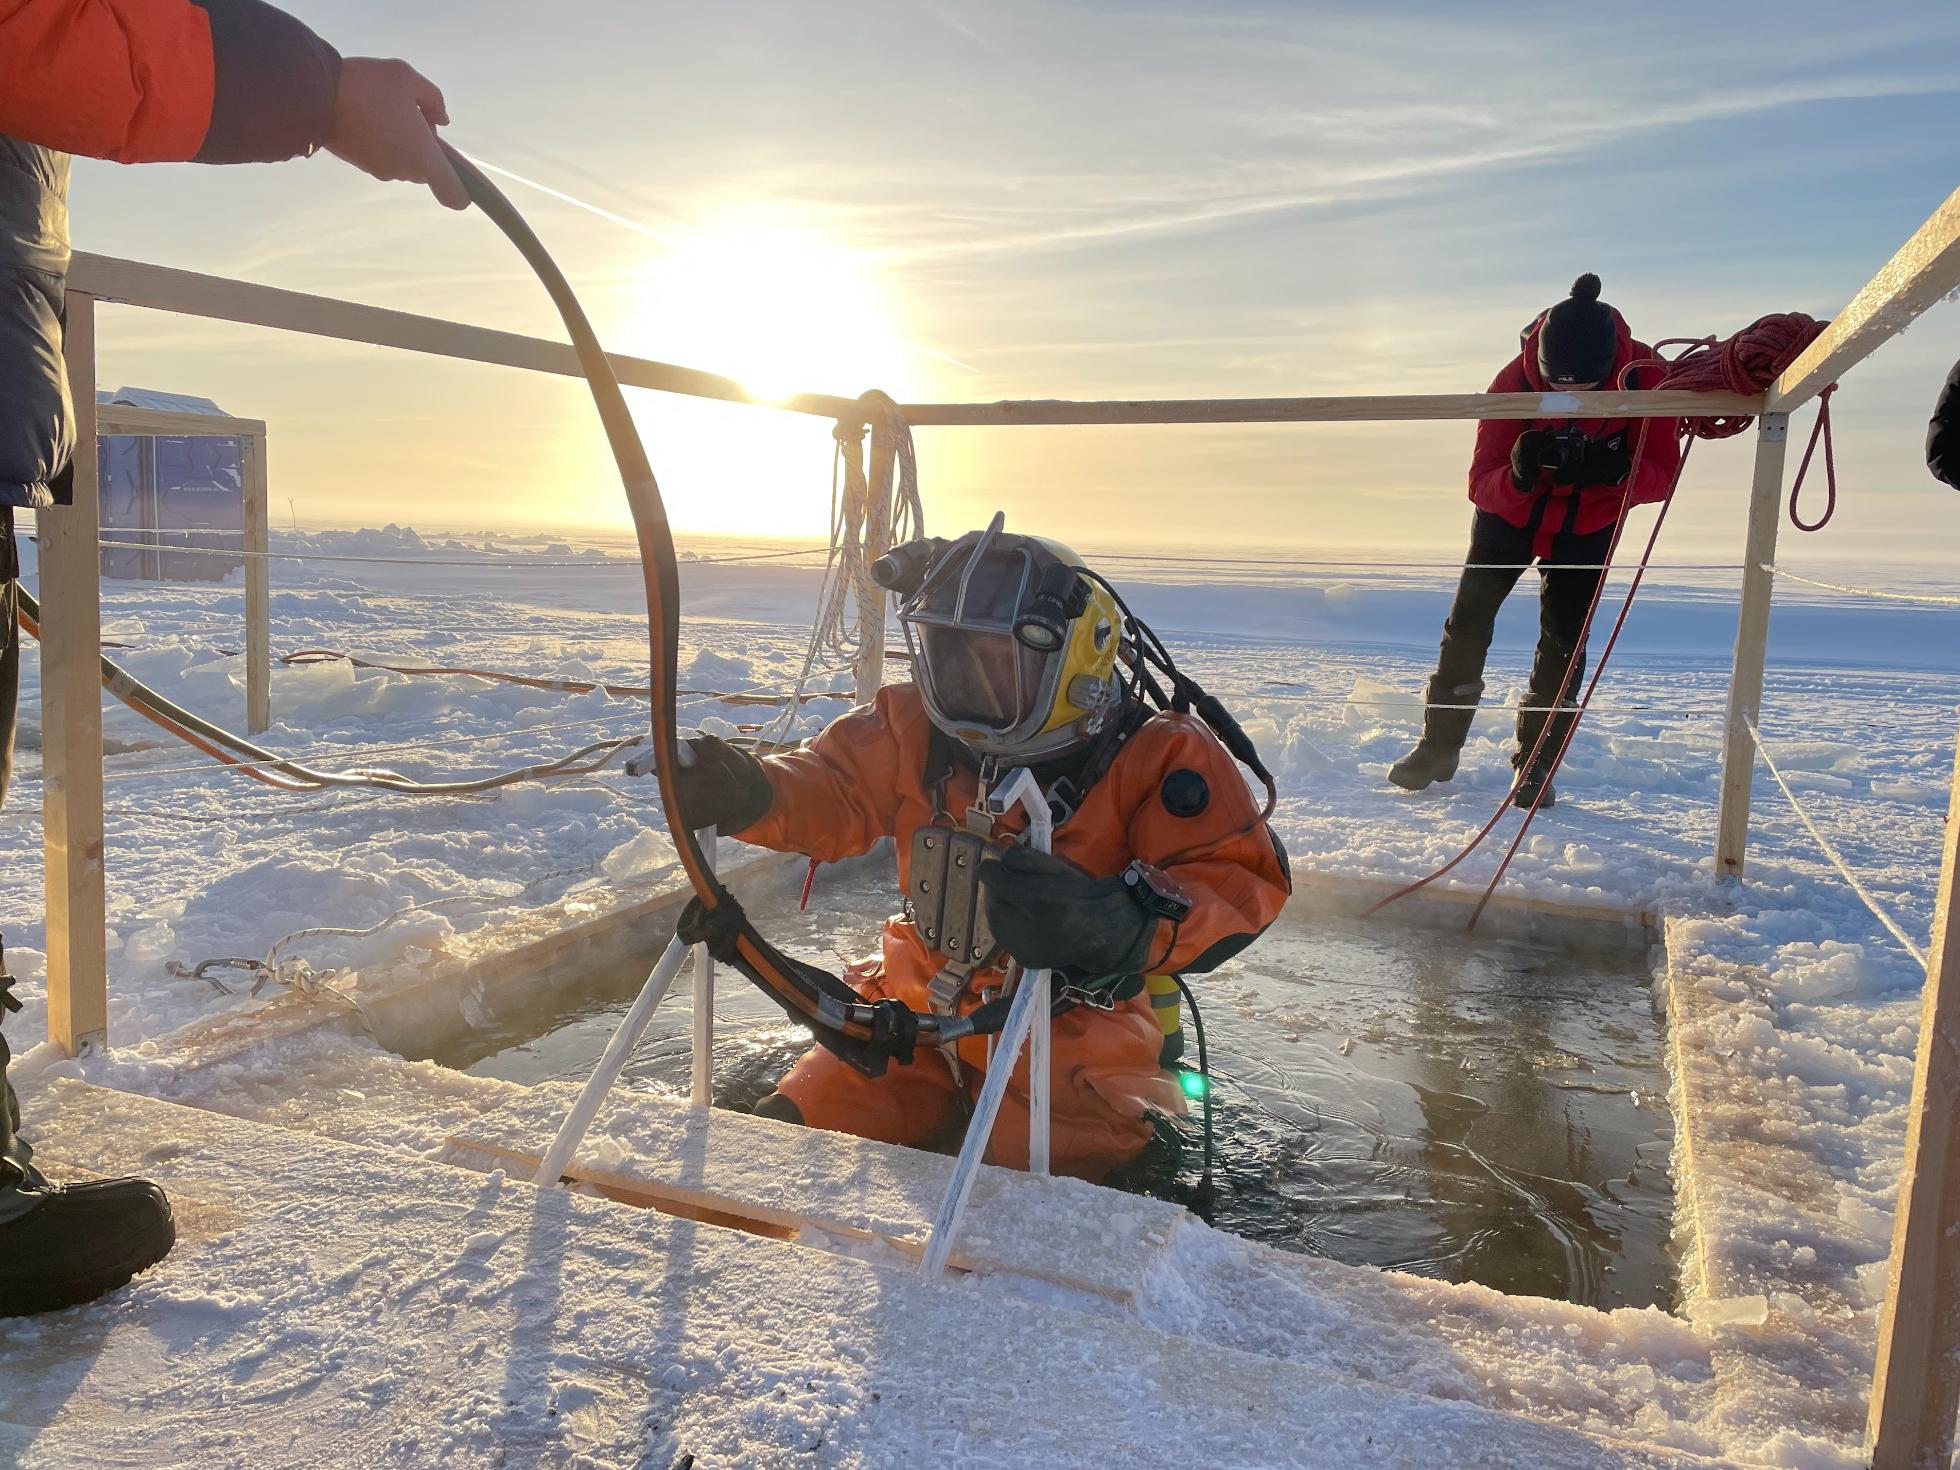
859	532
1837	858
520	563
1933	599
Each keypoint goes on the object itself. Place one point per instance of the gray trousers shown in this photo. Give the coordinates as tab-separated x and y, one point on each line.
14	1153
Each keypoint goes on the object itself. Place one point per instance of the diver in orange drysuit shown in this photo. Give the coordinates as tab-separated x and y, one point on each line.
1163	862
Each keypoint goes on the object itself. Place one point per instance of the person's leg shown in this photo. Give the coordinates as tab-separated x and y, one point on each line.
1558	666
1106	1083
1458	683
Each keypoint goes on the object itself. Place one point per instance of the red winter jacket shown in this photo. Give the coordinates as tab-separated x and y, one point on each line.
1598	505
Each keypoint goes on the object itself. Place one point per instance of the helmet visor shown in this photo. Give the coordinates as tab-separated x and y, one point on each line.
982	678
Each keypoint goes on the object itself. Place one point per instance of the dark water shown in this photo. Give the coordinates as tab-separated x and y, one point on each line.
1397	1096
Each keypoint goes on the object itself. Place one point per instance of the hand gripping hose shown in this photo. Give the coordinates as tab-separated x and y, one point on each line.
863	1033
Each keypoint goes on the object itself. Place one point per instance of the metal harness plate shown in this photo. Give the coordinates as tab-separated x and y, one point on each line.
944	892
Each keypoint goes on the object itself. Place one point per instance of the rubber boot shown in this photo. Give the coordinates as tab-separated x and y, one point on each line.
1525	793
1444	730
779	1107
62	1245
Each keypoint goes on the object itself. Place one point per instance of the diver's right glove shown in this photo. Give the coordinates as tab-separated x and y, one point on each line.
722	786
1051	915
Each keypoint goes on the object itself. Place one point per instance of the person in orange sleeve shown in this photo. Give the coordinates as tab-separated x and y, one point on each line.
1163	861
137	81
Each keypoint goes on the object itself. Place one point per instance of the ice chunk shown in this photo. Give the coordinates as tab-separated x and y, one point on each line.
1730	1311
639	856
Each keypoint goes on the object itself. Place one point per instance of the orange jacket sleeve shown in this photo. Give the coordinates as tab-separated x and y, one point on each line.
146	81
1224	858
839	795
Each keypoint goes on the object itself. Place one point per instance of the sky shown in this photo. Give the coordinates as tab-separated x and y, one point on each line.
1042	200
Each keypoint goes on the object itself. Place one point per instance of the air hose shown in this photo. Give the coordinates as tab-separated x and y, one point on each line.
865	1034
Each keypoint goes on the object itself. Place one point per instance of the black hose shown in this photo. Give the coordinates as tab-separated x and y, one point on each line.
1204	1071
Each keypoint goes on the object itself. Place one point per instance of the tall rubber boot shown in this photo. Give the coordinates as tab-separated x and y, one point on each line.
1444	730
1537	714
62	1245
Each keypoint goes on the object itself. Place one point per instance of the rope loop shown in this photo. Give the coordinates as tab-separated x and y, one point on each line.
1821	430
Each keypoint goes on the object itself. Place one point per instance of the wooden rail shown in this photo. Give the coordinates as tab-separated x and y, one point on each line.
1357	409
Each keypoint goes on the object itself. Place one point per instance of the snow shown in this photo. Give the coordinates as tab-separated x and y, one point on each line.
1793	1016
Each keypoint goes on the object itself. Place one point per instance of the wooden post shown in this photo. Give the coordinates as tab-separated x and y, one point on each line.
1916	1389
877	541
258	590
71	722
1751	646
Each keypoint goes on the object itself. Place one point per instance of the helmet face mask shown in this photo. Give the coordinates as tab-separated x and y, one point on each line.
983	626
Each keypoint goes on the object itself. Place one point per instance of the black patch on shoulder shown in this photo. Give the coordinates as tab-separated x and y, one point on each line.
1185	793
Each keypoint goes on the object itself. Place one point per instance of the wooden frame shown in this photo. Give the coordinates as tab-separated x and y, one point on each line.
255	543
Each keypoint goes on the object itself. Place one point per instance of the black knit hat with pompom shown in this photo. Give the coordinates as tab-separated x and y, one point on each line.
1578	341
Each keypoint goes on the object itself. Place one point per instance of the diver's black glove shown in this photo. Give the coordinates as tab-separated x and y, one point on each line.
1535	451
722	785
1607	461
1050	915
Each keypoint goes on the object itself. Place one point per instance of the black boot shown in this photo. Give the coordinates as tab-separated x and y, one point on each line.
60	1245
1531	781
1443	732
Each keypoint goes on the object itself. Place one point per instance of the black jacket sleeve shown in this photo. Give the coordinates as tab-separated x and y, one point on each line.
1943	434
274	85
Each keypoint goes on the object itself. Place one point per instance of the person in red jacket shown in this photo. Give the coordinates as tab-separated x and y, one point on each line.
1551	491
137	81
1163	863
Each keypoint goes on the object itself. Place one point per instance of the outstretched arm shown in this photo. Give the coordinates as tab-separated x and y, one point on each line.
210	81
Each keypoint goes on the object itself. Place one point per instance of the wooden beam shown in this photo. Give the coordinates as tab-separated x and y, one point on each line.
258	588
134	283
1357	409
117	418
1751	646
883	457
1916	1389
71	722
1925	268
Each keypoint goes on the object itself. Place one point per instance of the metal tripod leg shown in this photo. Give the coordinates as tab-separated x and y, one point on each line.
572	1131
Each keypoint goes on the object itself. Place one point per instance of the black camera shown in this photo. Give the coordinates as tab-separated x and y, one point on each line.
904	567
1570	445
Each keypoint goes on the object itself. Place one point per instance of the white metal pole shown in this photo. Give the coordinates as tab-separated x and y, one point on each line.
704	1000
572	1131
258	589
1022	790
966	1167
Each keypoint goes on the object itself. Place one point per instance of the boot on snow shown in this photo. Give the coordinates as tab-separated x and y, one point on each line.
69	1244
1446	716
61	1245
1533	779
1425	765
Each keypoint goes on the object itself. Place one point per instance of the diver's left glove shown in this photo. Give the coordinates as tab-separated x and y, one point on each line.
722	786
1051	915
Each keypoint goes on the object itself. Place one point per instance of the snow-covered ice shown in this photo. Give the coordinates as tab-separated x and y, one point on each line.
1804	1010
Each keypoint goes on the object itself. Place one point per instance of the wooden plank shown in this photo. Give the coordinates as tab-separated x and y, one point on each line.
258	589
1364	408
1751	646
118	418
134	283
1916	1389
71	723
1925	268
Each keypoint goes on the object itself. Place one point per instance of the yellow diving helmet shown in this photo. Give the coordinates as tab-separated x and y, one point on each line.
1014	645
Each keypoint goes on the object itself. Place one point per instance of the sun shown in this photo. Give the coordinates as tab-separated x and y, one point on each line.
783	306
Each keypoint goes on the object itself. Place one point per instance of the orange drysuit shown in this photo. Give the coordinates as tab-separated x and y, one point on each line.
865	777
